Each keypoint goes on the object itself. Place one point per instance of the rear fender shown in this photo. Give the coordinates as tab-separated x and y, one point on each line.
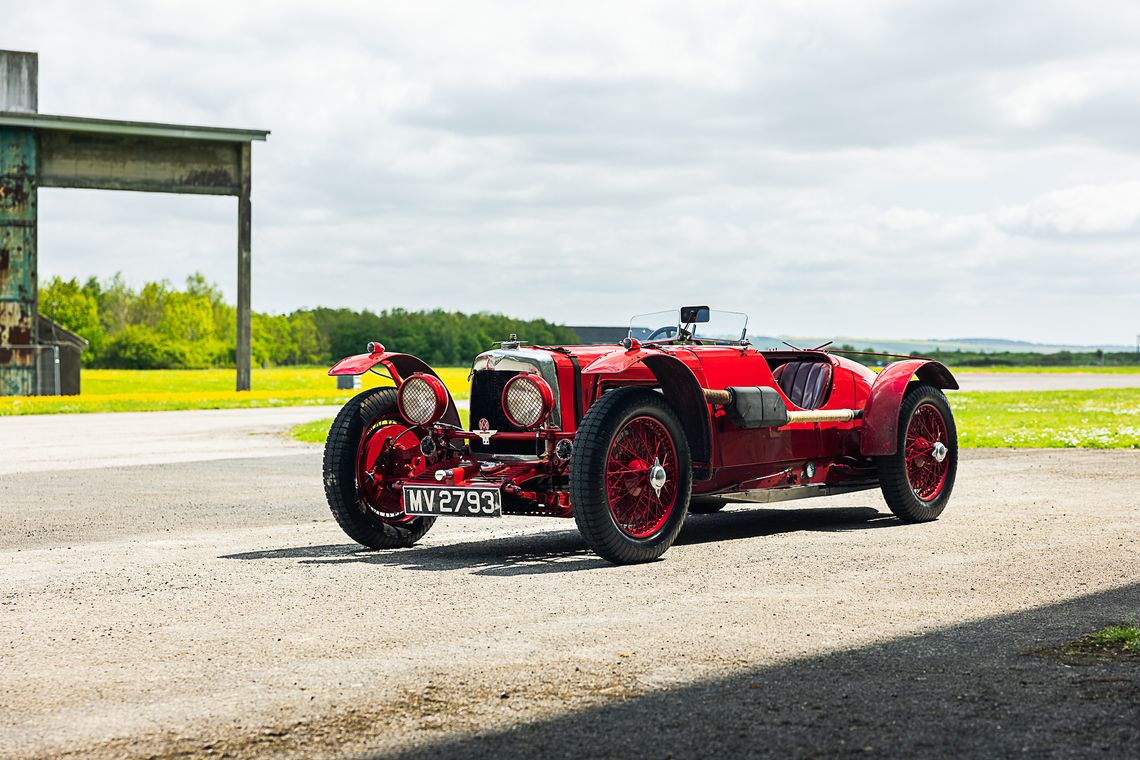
881	414
681	388
399	366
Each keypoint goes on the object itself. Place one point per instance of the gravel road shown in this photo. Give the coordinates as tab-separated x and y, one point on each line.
212	608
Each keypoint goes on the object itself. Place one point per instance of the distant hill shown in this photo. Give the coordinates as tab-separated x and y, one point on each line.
607	334
904	346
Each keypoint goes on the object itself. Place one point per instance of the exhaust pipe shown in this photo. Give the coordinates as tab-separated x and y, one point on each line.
760	407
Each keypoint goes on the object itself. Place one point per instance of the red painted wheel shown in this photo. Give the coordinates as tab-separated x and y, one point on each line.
925	452
388	451
641	477
368	448
630	476
918	478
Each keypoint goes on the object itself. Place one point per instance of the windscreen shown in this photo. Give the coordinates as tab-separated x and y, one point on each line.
723	326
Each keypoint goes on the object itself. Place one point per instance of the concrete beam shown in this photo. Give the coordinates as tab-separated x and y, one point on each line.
150	164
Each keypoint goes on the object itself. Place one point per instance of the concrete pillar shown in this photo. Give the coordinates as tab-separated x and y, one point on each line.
244	266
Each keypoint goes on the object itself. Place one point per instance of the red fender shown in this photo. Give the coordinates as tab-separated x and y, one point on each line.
682	388
881	413
620	360
399	366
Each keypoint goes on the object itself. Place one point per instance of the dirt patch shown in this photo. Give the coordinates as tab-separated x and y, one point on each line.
442	708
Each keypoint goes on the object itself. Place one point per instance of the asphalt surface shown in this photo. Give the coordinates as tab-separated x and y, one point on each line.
212	608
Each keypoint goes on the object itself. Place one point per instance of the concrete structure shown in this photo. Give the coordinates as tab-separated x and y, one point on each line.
61	151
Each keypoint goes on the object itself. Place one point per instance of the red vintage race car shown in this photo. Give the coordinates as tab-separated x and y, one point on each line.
629	438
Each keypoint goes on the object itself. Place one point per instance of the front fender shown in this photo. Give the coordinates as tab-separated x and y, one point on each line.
399	366
619	361
681	387
881	413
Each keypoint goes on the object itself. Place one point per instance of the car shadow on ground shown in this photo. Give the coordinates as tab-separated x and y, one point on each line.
563	550
969	690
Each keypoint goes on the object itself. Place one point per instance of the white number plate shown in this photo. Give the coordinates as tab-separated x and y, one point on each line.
458	502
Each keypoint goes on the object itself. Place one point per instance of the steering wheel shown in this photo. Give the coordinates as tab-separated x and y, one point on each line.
667	331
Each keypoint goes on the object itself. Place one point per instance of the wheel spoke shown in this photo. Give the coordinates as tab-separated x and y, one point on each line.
926	475
637	508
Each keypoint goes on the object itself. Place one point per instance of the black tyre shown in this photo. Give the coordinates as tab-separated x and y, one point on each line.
706	505
918	478
369	445
630	476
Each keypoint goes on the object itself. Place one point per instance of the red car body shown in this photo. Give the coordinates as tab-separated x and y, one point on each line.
533	468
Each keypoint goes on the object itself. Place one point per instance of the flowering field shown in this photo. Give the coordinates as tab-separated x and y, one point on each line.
110	390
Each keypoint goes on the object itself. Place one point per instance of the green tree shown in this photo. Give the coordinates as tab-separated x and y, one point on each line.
73	307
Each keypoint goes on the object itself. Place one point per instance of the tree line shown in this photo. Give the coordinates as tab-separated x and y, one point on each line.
163	327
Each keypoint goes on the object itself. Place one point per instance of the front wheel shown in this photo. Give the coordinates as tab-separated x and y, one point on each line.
630	476
918	478
368	448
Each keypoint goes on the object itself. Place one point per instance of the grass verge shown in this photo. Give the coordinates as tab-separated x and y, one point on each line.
318	430
1098	419
109	390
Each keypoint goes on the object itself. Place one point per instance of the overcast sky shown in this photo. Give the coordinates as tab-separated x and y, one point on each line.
911	169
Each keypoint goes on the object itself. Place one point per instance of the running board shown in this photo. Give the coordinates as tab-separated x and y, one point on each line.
770	495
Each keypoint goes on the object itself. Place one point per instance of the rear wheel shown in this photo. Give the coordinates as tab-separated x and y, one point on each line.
368	448
918	478
630	476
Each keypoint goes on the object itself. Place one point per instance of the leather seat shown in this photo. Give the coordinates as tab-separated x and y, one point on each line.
807	384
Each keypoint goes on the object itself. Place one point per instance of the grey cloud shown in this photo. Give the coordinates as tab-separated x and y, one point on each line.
852	167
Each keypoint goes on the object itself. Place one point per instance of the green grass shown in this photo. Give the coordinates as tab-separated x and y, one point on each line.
1098	419
1114	643
1127	636
1096	369
108	390
318	430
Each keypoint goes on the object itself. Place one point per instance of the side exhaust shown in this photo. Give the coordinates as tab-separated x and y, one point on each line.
763	407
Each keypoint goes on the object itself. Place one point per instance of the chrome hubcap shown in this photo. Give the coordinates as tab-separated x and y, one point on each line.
657	476
939	451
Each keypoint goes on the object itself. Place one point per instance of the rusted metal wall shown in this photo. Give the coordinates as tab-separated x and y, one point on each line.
17	261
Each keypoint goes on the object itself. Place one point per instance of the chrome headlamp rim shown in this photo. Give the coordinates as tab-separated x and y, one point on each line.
422	399
544	401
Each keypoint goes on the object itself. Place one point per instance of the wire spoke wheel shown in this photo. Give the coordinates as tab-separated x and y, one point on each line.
388	451
918	478
641	450
369	449
630	476
925	469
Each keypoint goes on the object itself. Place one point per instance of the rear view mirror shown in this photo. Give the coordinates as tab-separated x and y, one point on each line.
691	314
